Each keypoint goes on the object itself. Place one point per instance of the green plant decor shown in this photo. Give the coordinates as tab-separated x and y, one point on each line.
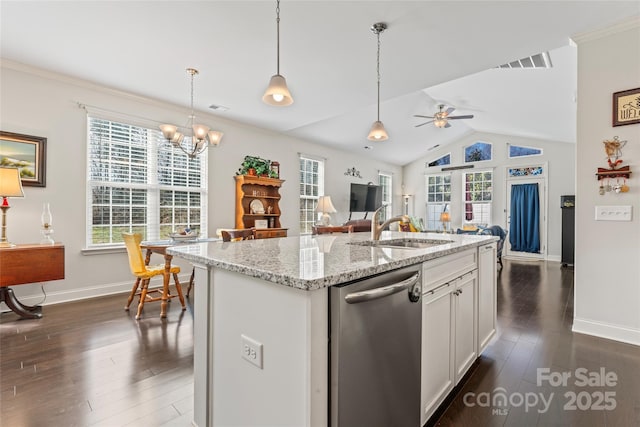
260	165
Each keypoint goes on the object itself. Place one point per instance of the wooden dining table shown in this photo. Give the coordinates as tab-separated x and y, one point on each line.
160	247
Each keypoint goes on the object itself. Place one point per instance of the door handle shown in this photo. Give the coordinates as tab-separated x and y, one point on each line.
372	294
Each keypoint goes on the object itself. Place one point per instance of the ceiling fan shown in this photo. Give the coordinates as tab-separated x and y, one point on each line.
442	117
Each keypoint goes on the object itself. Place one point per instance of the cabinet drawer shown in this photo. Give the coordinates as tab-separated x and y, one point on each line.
487	247
268	234
441	270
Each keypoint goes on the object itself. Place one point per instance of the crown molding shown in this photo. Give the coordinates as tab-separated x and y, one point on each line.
86	84
625	25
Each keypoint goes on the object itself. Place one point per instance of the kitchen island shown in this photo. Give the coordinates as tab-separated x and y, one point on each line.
261	324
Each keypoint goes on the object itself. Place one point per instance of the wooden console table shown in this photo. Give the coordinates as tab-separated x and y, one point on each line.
29	263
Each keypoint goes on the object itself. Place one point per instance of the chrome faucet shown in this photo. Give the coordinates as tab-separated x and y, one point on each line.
376	230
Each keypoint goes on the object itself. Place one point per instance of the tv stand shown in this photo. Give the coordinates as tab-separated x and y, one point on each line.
359	224
364	217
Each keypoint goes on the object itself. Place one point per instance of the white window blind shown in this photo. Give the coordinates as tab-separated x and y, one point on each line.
386	183
139	183
311	188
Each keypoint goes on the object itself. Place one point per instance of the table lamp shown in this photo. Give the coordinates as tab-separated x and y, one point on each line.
445	218
326	207
10	186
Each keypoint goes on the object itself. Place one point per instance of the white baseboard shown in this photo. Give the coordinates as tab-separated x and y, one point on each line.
78	294
608	331
554	258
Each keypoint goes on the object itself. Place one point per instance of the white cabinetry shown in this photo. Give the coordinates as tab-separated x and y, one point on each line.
437	348
449	310
465	323
487	304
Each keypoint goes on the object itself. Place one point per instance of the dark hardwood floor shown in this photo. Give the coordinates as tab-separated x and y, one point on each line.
90	363
535	315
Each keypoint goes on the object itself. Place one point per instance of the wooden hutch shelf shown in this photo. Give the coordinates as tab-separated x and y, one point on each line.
267	193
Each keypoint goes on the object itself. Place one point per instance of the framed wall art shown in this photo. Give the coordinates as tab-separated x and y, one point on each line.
28	154
626	107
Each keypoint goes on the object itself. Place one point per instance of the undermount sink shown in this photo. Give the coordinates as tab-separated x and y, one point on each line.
403	243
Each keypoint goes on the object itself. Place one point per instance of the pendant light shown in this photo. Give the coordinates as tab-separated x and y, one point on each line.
277	93
378	133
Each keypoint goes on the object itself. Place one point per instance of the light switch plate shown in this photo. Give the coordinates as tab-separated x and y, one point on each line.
613	213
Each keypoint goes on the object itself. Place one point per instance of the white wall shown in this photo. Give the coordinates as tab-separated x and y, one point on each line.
561	171
607	261
36	102
239	141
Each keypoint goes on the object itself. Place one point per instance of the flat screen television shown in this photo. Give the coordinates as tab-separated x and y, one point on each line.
365	198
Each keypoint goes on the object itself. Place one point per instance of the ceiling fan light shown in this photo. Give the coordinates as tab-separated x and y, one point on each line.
440	123
377	132
277	92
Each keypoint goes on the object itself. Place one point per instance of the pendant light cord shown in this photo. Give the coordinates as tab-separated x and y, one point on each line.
378	73
278	34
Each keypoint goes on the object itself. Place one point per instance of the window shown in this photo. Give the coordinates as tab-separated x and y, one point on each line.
477	152
477	197
442	161
138	183
311	188
438	197
386	184
518	151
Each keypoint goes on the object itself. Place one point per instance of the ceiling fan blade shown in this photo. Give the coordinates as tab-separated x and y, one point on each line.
448	125
470	116
425	123
423	117
450	110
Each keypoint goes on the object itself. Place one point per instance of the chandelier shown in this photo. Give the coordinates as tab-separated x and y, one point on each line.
201	135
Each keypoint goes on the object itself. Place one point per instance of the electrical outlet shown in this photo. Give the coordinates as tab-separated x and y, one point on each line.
251	350
613	213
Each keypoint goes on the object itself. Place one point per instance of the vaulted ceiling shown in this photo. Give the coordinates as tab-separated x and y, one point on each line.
432	52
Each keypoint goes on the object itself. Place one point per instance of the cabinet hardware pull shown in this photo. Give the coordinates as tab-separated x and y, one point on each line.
434	290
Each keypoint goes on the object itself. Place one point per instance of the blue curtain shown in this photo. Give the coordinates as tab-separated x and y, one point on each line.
524	233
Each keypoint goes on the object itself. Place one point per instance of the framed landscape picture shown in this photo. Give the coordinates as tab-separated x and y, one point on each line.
626	107
28	154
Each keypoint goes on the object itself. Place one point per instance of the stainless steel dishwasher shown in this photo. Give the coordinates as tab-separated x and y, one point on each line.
375	336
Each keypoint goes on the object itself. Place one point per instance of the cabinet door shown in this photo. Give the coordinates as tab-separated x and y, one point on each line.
465	323
486	295
437	348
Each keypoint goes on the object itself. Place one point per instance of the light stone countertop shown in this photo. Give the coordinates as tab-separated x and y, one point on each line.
315	262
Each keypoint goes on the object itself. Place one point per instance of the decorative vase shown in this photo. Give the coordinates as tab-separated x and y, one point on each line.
46	220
